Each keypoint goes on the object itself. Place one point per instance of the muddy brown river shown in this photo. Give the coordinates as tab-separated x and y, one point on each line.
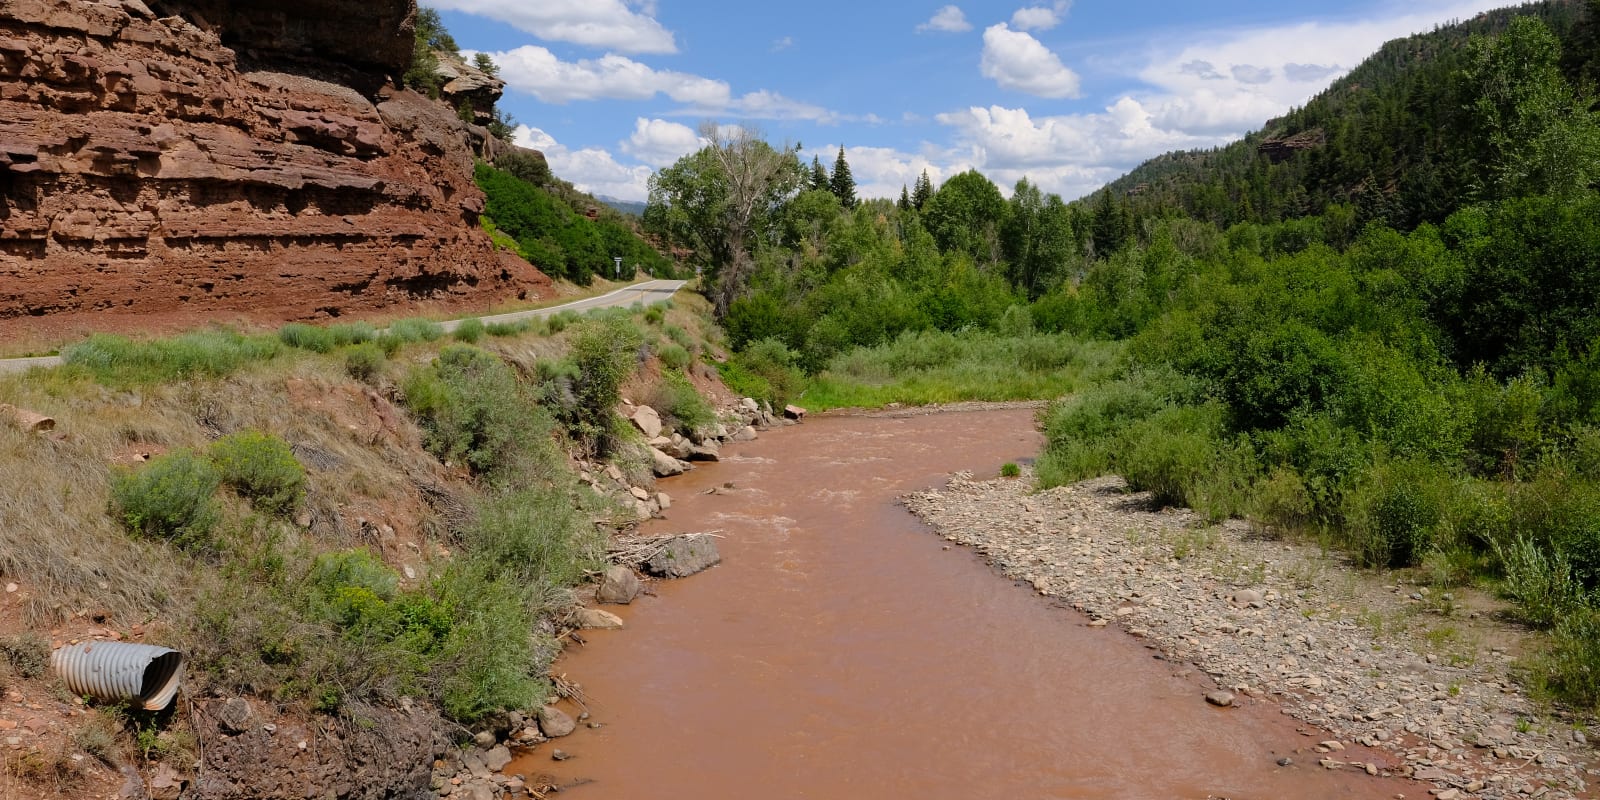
840	651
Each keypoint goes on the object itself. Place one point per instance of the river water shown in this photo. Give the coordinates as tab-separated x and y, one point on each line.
840	651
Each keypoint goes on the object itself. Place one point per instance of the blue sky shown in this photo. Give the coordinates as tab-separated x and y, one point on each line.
1070	94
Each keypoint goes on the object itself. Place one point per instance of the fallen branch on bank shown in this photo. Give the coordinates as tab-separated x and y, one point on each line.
635	549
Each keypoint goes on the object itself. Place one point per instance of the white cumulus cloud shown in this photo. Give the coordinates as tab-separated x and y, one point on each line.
537	71
661	143
590	169
602	24
1040	18
1017	61
949	19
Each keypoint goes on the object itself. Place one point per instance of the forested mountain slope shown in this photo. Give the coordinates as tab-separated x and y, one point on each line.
1402	139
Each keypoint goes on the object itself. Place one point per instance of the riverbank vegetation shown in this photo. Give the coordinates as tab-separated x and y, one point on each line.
1417	385
338	517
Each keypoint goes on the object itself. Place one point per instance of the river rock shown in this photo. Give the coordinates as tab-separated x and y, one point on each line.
745	434
648	421
664	500
794	412
555	723
684	556
665	466
1220	698
1245	597
750	405
678	446
596	619
639	492
497	758
707	451
619	585
235	715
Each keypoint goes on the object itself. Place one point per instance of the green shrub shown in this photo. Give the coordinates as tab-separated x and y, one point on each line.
1560	511
766	370
681	407
261	467
364	361
117	361
655	314
1393	511
469	330
172	497
532	537
415	330
680	336
1169	452
1010	470
1539	580
1282	499
672	356
605	352
503	329
26	654
1570	669
480	669
307	337
1017	322
474	411
558	322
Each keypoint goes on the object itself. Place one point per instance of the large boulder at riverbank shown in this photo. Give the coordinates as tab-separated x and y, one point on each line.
619	586
666	466
684	556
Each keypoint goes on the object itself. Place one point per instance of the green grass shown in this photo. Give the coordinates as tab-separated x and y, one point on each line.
934	367
120	362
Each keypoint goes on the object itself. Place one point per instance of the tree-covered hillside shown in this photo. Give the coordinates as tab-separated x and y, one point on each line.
1426	125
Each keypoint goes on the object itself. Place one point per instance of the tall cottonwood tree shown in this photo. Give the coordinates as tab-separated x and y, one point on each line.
1540	136
720	201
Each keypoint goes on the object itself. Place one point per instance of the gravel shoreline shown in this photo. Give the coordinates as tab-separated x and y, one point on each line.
1381	664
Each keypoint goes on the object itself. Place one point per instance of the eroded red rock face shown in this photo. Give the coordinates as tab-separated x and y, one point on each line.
145	178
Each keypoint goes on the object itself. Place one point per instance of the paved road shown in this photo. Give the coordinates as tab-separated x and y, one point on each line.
643	293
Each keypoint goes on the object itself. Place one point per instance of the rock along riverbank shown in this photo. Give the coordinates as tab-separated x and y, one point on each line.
1276	621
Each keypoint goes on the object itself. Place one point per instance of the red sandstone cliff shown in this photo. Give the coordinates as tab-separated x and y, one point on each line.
157	170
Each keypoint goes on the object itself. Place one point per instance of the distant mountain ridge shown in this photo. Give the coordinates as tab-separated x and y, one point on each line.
1383	139
633	207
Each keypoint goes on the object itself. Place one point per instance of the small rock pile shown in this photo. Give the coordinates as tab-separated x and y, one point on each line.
672	453
1266	619
476	772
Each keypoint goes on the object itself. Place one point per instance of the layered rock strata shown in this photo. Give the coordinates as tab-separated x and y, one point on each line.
145	175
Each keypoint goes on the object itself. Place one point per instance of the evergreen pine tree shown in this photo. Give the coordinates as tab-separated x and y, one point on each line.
819	175
905	199
842	184
922	191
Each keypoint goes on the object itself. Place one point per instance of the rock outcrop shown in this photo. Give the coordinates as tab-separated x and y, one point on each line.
1278	149
162	170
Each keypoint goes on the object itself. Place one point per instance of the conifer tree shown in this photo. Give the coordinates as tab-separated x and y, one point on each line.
842	184
922	191
905	199
819	175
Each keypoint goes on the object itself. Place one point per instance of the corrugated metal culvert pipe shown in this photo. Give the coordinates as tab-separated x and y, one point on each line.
120	672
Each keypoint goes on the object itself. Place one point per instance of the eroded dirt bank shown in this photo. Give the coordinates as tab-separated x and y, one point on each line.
1416	676
842	651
